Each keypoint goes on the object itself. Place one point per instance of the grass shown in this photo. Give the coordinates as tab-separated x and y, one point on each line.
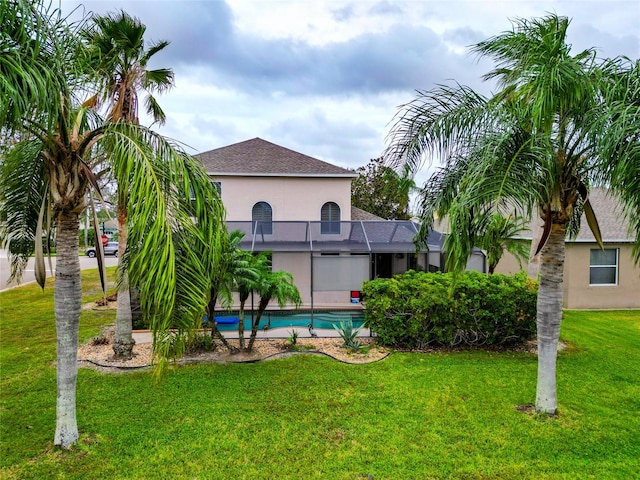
411	416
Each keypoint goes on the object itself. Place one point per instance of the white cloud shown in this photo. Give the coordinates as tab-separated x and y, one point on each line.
325	77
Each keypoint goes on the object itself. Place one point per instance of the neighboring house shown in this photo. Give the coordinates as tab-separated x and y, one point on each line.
593	278
299	208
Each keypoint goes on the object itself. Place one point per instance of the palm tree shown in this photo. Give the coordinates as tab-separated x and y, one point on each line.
273	285
495	233
49	171
499	236
559	124
116	43
232	263
246	281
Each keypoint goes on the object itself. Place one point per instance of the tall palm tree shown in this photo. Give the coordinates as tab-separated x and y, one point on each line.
49	171
559	124
116	43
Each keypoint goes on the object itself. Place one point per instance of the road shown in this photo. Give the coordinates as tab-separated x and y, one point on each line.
29	275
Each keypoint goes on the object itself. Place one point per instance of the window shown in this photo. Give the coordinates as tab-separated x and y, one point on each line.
262	214
603	268
330	218
218	186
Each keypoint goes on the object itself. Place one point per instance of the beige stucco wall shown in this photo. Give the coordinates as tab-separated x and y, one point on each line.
578	294
299	266
291	198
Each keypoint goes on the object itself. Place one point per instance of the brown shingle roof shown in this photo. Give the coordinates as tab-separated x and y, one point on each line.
357	215
608	210
611	221
259	157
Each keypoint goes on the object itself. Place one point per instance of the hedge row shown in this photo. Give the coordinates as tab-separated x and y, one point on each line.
417	309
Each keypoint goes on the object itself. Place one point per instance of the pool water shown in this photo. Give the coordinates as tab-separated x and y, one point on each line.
229	322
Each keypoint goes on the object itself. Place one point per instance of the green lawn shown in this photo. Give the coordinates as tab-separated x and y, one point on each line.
410	416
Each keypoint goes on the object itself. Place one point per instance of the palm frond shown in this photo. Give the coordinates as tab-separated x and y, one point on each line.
35	71
438	122
23	188
153	109
166	255
159	80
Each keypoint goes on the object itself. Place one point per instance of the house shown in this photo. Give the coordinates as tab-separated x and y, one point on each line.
595	278
299	208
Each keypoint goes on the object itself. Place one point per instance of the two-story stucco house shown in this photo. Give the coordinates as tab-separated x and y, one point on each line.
299	208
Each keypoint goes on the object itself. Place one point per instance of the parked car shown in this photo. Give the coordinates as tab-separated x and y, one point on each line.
111	248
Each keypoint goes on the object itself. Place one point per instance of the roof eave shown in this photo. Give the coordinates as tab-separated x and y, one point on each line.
291	175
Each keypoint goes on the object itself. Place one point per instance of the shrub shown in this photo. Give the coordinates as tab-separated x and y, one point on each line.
417	309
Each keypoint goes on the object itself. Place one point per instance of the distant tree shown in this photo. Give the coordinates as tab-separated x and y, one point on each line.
380	190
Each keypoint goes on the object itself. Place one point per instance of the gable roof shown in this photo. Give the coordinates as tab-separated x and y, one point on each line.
257	157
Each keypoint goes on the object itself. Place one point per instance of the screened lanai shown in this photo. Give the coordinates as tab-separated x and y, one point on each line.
331	260
333	237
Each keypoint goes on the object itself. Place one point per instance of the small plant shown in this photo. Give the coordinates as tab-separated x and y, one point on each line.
199	342
293	337
101	339
349	334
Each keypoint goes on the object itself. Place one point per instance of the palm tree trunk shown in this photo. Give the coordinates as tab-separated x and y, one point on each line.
533	267
123	341
262	306
254	330
241	325
549	317
215	332
67	305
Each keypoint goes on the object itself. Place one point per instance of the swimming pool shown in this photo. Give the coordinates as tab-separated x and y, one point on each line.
325	319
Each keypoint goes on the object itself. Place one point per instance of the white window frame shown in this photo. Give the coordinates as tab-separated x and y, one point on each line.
615	266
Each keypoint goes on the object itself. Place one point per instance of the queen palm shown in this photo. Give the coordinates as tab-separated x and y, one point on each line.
116	42
559	124
49	171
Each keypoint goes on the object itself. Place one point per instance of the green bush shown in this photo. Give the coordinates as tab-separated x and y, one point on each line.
417	309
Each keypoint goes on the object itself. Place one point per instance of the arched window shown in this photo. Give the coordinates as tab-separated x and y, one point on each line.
330	218
262	214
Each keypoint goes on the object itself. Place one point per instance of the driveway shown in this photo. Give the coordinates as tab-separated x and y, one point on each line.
29	275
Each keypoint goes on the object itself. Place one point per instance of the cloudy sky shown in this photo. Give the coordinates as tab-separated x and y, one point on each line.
325	78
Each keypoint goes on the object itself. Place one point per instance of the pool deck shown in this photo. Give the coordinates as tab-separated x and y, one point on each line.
143	336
